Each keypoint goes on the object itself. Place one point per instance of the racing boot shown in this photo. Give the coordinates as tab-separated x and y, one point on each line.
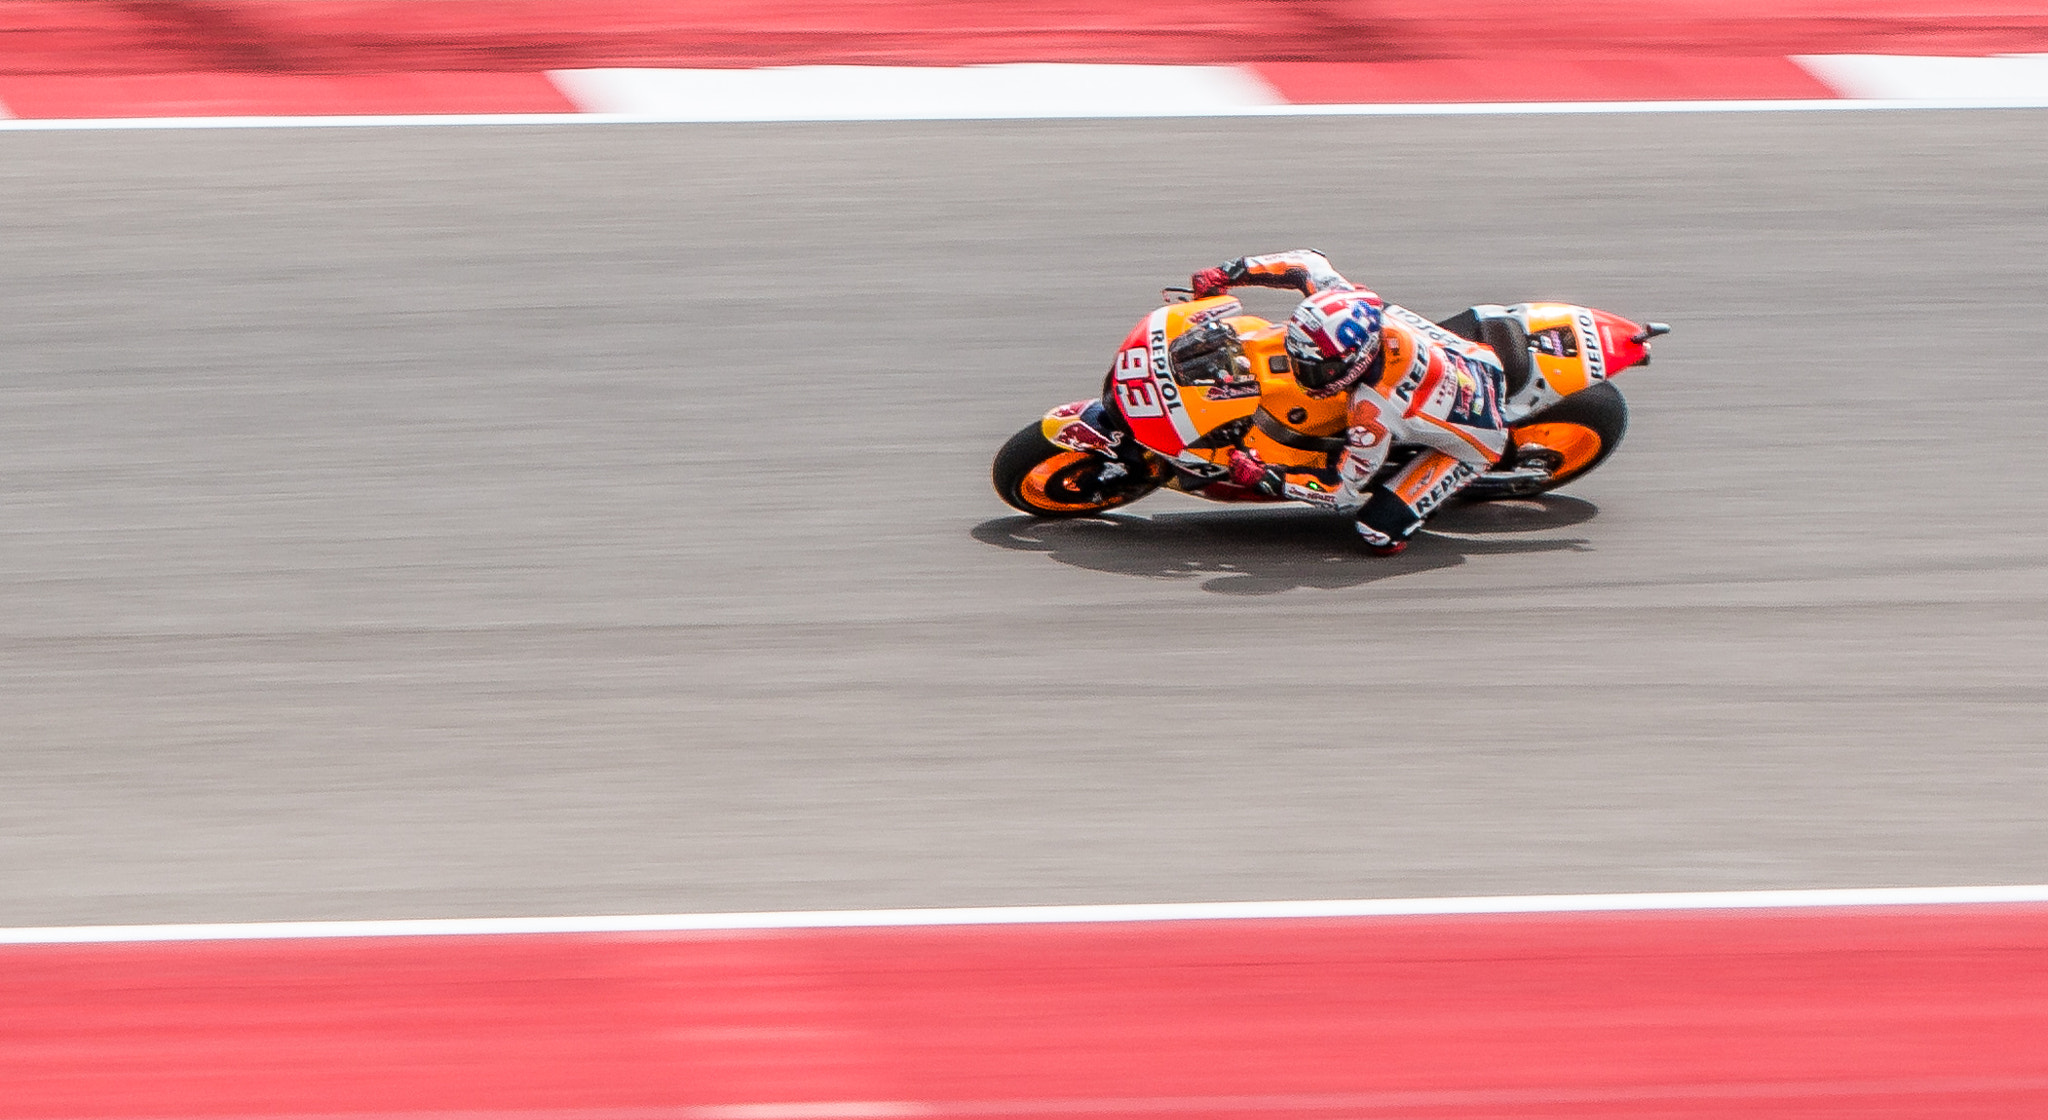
1394	510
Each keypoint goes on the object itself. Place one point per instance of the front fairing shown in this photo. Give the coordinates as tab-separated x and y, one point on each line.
1195	423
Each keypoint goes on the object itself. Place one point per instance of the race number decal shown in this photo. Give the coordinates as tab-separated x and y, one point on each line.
1356	326
1142	382
1134	389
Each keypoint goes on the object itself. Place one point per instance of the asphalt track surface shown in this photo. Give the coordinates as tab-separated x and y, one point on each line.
438	522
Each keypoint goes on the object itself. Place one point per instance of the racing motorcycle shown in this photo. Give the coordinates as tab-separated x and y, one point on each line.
1177	400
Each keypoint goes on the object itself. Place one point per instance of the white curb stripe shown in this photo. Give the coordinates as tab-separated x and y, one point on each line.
2013	81
1038	915
892	93
1040	91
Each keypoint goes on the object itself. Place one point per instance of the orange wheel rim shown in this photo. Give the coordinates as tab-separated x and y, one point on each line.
1578	444
1042	475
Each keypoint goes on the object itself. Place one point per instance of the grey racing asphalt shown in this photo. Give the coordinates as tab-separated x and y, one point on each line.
423	522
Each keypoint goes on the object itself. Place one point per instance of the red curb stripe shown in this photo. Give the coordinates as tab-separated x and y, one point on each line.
395	36
277	95
1887	1013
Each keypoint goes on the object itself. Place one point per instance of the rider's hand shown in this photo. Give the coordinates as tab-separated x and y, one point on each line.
1248	471
1209	282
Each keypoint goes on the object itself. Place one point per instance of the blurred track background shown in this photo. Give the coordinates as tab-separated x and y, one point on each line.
556	520
487	521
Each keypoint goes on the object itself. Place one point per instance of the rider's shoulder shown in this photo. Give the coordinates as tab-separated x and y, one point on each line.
1396	316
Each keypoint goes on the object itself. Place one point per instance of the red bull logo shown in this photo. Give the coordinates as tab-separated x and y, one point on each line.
1079	436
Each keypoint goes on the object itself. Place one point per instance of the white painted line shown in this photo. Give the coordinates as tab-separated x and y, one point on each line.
1513	108
1460	109
1457	109
2010	81
891	93
1039	915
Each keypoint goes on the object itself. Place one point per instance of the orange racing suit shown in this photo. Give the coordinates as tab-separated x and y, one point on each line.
1425	388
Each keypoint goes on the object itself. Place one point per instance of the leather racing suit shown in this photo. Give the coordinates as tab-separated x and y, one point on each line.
1425	388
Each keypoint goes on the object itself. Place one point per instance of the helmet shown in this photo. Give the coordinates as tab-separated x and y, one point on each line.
1333	337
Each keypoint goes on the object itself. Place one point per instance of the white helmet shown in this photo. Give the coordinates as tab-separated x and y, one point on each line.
1333	337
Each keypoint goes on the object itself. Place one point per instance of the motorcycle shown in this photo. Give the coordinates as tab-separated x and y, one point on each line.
1181	394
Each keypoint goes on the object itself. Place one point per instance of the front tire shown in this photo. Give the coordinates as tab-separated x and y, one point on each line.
1043	479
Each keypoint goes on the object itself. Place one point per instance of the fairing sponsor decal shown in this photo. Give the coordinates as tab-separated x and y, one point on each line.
1162	378
1071	426
1589	335
1555	341
1223	310
1148	396
1078	436
1310	493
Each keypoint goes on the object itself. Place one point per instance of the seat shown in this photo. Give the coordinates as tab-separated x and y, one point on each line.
1505	335
1510	343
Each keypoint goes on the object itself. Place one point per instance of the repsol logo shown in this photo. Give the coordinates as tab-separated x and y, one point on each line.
1596	358
1422	326
1413	380
1445	486
1161	380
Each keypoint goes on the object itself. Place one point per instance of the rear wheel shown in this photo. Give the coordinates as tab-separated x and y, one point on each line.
1043	479
1570	438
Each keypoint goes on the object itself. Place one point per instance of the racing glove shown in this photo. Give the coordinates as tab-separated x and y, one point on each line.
1209	282
1248	471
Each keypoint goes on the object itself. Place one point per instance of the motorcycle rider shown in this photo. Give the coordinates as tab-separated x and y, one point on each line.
1412	383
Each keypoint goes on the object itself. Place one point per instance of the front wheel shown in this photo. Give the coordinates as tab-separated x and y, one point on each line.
1043	479
1559	444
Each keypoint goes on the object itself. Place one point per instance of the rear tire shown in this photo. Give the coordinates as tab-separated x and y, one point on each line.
1043	479
1584	429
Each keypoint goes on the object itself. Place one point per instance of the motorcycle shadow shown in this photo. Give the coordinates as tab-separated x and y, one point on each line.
1269	549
